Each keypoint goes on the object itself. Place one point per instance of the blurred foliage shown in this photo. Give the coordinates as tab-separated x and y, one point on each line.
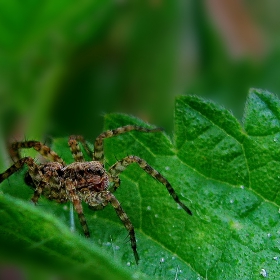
65	63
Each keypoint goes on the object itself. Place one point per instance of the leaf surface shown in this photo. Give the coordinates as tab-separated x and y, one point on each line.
226	174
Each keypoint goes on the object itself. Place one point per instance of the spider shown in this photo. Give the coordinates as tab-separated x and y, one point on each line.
82	180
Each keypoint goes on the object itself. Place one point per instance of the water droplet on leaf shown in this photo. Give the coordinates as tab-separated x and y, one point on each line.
263	273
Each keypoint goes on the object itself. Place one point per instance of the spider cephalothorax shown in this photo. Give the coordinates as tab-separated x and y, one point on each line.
90	175
82	180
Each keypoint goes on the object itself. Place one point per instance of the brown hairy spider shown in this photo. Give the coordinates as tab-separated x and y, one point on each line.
82	180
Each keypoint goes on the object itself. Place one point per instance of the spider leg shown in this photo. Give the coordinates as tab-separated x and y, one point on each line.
37	193
121	165
18	165
98	144
32	169
116	182
125	220
42	149
74	198
75	149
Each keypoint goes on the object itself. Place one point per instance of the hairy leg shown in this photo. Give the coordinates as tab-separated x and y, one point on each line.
33	171
125	220
74	198
42	149
18	165
73	143
98	144
121	165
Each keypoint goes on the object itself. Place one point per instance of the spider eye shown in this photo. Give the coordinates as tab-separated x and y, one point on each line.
99	172
95	172
59	172
81	172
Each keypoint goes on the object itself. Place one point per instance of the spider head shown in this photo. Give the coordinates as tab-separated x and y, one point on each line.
96	176
90	175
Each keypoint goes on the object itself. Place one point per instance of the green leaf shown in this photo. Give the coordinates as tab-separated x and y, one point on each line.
40	240
227	175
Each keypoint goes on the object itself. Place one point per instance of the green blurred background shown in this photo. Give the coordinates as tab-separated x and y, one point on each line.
64	64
